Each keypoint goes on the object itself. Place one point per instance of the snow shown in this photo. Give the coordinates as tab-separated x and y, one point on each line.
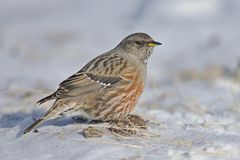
191	99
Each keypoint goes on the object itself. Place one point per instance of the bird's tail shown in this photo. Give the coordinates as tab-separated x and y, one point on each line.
51	113
50	97
34	125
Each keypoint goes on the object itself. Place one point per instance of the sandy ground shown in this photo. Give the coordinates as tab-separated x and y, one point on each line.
192	99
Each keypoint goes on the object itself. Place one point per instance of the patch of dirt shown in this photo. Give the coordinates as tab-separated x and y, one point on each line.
92	132
128	127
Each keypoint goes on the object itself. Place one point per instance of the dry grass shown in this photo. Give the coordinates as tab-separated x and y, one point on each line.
133	126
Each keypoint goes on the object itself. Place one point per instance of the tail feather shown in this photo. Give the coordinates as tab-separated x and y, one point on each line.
50	97
34	125
50	114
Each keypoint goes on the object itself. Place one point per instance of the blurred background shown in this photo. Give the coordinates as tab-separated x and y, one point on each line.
44	42
192	96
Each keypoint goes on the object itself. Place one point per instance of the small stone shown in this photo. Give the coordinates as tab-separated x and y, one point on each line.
35	131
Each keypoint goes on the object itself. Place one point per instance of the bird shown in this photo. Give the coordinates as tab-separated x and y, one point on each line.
108	87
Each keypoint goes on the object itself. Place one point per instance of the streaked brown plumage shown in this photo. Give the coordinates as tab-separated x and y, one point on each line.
108	87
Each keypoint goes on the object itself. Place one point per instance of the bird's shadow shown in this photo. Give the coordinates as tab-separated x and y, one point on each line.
23	120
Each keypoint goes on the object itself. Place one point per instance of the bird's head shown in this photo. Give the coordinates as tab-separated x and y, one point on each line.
139	44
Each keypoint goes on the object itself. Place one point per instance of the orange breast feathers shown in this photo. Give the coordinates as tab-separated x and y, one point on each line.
133	89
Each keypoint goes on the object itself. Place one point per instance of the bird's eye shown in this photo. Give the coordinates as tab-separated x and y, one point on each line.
137	43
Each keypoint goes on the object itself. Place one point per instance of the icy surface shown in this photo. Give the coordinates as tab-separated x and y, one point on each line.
192	98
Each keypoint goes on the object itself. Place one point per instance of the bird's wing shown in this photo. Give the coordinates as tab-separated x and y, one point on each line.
101	72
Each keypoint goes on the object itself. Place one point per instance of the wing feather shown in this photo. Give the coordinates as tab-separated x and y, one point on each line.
97	74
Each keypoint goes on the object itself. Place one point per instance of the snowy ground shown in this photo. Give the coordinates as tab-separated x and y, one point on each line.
192	99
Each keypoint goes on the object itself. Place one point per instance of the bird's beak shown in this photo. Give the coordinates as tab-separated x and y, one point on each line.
154	43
